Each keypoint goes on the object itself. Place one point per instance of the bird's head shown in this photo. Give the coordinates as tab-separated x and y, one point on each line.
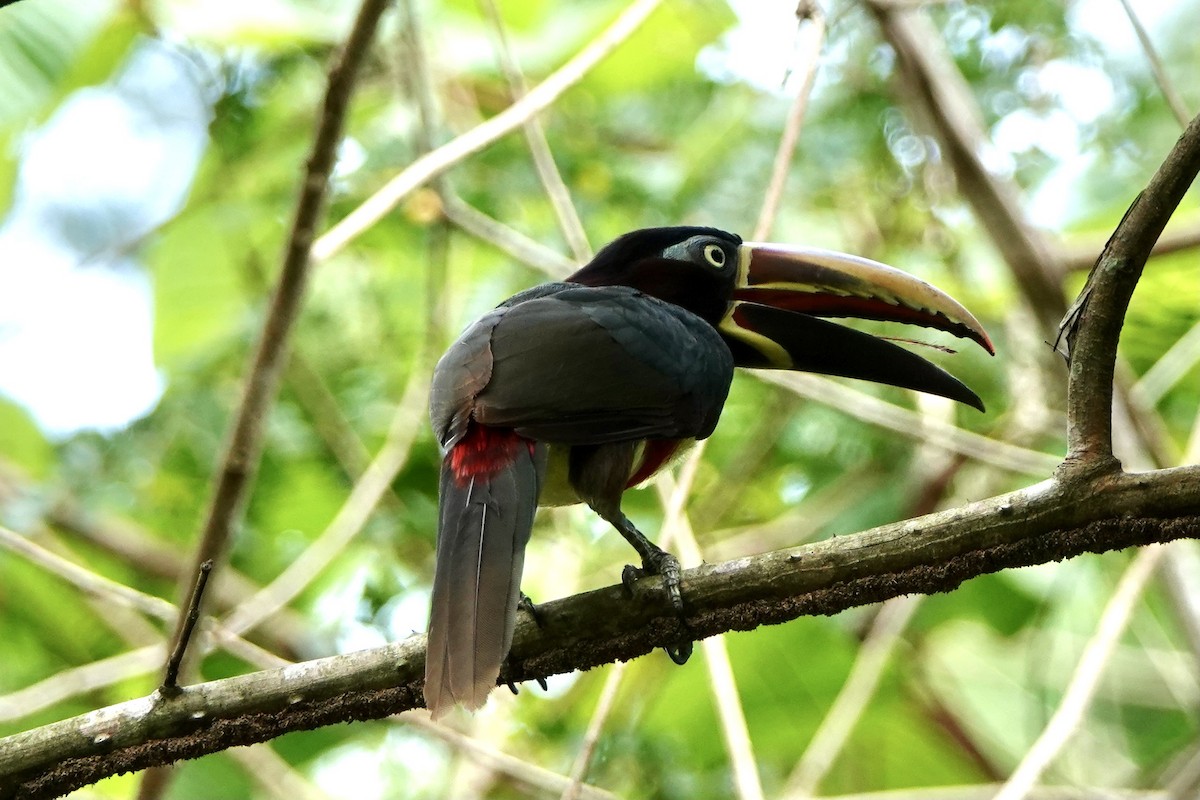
769	302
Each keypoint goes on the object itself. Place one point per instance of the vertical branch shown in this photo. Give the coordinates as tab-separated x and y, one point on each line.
1092	326
1169	92
539	147
943	96
245	440
809	11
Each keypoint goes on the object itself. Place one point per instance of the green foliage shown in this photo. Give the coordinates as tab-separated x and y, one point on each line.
647	138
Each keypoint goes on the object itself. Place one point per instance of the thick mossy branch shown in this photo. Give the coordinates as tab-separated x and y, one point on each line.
1046	522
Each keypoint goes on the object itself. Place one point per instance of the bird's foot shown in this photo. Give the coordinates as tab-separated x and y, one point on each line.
526	605
663	563
658	562
508	681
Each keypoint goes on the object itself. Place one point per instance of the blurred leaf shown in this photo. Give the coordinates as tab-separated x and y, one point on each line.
22	442
199	282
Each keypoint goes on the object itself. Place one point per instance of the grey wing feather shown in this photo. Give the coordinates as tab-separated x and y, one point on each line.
587	365
460	375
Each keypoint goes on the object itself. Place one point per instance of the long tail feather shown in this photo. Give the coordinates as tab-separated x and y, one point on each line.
483	528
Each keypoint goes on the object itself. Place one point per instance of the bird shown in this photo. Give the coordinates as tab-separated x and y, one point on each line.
574	391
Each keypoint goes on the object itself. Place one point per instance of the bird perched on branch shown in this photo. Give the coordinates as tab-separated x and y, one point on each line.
575	391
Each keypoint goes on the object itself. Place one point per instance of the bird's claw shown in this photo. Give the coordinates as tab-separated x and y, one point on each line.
662	564
679	653
525	604
666	565
629	577
508	681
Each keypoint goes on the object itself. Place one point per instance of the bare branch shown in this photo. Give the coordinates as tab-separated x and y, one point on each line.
591	737
245	441
375	484
1169	92
1049	521
1170	368
746	781
808	11
508	240
1093	325
515	768
906	422
543	160
453	152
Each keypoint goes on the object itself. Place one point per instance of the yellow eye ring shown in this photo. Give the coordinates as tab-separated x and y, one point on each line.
714	255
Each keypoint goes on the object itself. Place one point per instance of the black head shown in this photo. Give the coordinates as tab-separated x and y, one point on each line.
769	302
692	267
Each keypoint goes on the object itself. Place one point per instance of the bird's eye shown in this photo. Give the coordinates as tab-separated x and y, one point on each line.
714	255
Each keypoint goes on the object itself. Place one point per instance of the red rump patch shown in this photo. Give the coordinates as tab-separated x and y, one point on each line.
484	451
655	454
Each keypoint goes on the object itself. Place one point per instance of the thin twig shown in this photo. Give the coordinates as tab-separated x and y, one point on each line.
288	636
1169	92
535	135
906	422
86	580
736	733
443	158
511	766
508	240
587	748
245	442
835	729
1082	687
170	684
350	519
105	589
1077	257
808	11
80	680
1171	367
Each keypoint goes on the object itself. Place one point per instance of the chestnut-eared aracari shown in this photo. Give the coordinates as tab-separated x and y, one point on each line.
575	391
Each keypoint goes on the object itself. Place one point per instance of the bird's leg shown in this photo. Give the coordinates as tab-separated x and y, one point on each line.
599	474
655	561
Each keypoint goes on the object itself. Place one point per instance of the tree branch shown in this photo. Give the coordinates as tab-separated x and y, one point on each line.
944	98
1056	519
245	441
434	163
1093	324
